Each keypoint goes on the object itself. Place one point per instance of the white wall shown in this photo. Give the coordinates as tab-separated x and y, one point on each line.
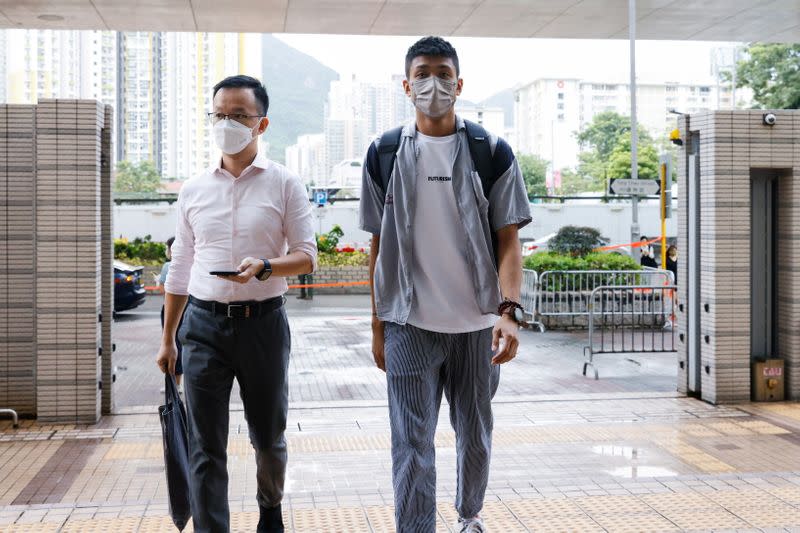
157	220
613	220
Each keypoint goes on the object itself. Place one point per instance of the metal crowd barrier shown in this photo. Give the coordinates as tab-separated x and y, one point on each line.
530	288
14	417
567	294
630	319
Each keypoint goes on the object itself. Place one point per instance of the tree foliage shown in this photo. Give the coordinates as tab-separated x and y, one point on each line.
619	163
603	133
534	172
607	154
576	241
136	177
772	71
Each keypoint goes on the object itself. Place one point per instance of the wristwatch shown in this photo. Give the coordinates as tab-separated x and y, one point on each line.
512	309
266	272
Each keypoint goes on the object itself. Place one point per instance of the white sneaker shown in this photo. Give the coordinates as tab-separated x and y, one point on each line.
471	525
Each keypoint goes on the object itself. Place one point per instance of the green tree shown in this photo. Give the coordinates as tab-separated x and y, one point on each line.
619	163
592	170
599	140
603	133
136	177
534	172
772	71
574	182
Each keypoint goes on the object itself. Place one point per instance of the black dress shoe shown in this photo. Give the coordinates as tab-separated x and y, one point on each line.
271	520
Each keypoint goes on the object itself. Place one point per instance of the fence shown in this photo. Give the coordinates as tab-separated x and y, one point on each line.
530	288
630	319
564	298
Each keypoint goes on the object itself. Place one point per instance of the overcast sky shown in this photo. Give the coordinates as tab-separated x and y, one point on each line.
491	65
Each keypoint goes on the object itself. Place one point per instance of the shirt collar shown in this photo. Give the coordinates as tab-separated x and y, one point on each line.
259	162
410	128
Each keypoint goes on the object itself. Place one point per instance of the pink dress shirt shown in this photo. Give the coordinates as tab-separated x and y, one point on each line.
264	213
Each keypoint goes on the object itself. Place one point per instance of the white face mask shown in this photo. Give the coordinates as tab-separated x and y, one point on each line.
232	137
433	95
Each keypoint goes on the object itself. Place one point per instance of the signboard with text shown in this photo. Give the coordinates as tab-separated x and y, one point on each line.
629	187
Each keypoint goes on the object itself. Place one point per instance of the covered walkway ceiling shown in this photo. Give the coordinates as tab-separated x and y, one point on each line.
714	20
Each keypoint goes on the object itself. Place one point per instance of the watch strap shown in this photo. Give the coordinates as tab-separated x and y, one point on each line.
266	272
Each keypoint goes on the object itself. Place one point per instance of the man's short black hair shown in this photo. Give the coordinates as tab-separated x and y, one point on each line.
246	82
170	241
431	46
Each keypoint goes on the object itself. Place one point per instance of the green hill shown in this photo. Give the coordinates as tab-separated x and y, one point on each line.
298	86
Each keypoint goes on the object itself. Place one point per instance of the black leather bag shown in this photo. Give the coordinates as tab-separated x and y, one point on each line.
176	452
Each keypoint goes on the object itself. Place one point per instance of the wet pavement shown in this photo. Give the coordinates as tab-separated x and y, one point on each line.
624	453
332	360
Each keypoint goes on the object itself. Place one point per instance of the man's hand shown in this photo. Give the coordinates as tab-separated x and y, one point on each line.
377	343
507	330
167	357
249	268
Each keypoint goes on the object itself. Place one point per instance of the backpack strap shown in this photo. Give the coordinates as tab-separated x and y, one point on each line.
480	149
387	153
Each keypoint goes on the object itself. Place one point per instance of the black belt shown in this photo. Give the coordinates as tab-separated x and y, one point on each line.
240	309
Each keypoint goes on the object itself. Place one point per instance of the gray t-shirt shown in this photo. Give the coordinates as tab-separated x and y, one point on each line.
444	289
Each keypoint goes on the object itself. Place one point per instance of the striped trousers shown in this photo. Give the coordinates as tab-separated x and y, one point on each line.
420	365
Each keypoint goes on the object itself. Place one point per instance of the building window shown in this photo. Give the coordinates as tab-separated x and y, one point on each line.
560	96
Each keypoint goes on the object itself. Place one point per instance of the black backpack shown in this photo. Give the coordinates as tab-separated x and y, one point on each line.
479	149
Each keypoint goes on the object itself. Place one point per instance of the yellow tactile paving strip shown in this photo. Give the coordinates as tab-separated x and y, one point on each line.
723	510
121	488
694	456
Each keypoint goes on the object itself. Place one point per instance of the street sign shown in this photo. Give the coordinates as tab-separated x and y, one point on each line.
627	187
321	197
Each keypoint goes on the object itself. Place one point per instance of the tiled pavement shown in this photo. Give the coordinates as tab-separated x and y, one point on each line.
637	464
589	460
331	360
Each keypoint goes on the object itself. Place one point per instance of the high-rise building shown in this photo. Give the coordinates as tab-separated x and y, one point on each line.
550	112
306	158
37	64
159	84
357	112
141	97
491	118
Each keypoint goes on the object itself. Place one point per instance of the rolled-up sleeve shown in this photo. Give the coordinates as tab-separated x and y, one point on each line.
180	268
508	199
370	210
298	225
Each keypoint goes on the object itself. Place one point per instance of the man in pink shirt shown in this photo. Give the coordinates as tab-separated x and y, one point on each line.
244	225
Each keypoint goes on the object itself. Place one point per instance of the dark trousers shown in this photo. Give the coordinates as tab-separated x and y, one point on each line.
256	352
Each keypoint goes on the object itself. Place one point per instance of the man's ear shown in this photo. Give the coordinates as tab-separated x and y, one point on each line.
263	125
459	86
407	88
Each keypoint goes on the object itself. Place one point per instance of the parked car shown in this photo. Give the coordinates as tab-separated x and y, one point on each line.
530	247
129	292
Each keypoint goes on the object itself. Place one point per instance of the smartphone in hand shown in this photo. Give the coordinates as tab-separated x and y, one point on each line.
224	272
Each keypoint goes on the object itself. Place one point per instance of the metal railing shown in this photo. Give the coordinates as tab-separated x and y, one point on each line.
630	319
528	294
567	294
14	417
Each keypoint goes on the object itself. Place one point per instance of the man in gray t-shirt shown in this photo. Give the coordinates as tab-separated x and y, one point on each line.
445	302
